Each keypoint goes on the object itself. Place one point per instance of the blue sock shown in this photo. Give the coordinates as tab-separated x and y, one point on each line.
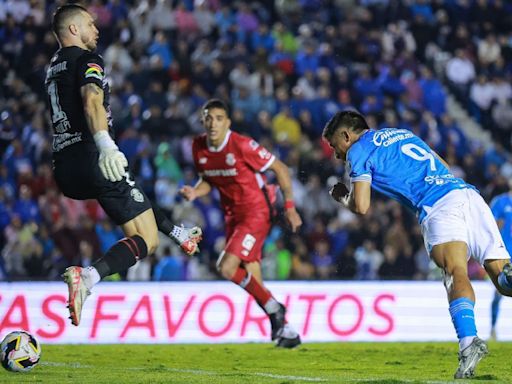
495	308
463	318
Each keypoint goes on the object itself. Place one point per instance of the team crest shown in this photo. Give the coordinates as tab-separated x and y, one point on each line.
230	159
137	195
203	160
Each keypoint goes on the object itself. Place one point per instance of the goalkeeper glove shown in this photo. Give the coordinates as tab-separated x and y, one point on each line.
112	161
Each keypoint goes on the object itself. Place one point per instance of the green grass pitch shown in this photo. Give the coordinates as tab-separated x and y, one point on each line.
386	363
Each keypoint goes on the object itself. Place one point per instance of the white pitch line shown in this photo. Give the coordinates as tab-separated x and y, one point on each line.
71	365
379	380
287	377
180	370
260	374
202	372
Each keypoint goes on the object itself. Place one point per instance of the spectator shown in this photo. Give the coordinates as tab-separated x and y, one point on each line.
369	260
169	268
160	48
460	72
322	260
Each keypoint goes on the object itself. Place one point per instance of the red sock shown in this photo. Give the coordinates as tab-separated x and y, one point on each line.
252	286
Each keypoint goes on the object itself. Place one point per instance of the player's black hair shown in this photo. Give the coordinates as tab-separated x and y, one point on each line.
352	120
62	14
215	104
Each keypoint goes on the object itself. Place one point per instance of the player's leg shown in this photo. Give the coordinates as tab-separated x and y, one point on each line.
495	310
451	257
286	336
186	238
230	267
128	207
489	247
500	274
141	239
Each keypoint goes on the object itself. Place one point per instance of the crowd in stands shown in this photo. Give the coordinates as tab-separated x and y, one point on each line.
284	67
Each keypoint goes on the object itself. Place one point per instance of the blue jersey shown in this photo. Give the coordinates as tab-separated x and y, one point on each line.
501	207
400	165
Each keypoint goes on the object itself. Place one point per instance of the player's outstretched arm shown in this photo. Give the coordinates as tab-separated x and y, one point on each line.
359	198
190	193
285	183
112	161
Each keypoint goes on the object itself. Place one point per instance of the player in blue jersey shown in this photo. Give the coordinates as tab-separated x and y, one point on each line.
456	222
501	207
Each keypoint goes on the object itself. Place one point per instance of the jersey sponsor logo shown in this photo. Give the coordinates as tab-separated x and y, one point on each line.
253	144
441	179
63	140
203	160
264	154
94	71
230	159
220	172
389	137
137	196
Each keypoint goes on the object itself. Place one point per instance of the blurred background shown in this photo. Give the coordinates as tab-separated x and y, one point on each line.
441	69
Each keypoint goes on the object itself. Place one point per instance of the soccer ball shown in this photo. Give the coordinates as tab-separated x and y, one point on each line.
19	351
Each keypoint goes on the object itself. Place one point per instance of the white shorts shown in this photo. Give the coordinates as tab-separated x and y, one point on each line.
463	215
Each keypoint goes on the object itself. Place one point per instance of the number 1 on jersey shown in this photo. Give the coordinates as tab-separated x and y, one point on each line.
57	113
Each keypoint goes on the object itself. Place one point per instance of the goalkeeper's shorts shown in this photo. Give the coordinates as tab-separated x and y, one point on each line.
79	177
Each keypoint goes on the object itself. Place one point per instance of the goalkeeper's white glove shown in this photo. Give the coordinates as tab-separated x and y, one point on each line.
112	161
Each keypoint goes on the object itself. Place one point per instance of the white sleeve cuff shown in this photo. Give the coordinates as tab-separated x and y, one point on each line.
269	163
366	178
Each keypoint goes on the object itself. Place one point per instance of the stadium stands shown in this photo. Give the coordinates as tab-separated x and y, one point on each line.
285	67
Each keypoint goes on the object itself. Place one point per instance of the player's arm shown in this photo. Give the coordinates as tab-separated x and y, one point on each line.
201	188
285	183
95	112
112	162
358	199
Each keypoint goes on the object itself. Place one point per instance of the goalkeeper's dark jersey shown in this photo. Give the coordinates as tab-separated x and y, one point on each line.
70	69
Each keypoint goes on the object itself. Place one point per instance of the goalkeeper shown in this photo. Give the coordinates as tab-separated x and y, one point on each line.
87	162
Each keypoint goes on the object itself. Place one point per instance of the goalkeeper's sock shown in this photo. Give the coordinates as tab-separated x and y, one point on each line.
91	277
162	222
122	256
463	318
247	281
